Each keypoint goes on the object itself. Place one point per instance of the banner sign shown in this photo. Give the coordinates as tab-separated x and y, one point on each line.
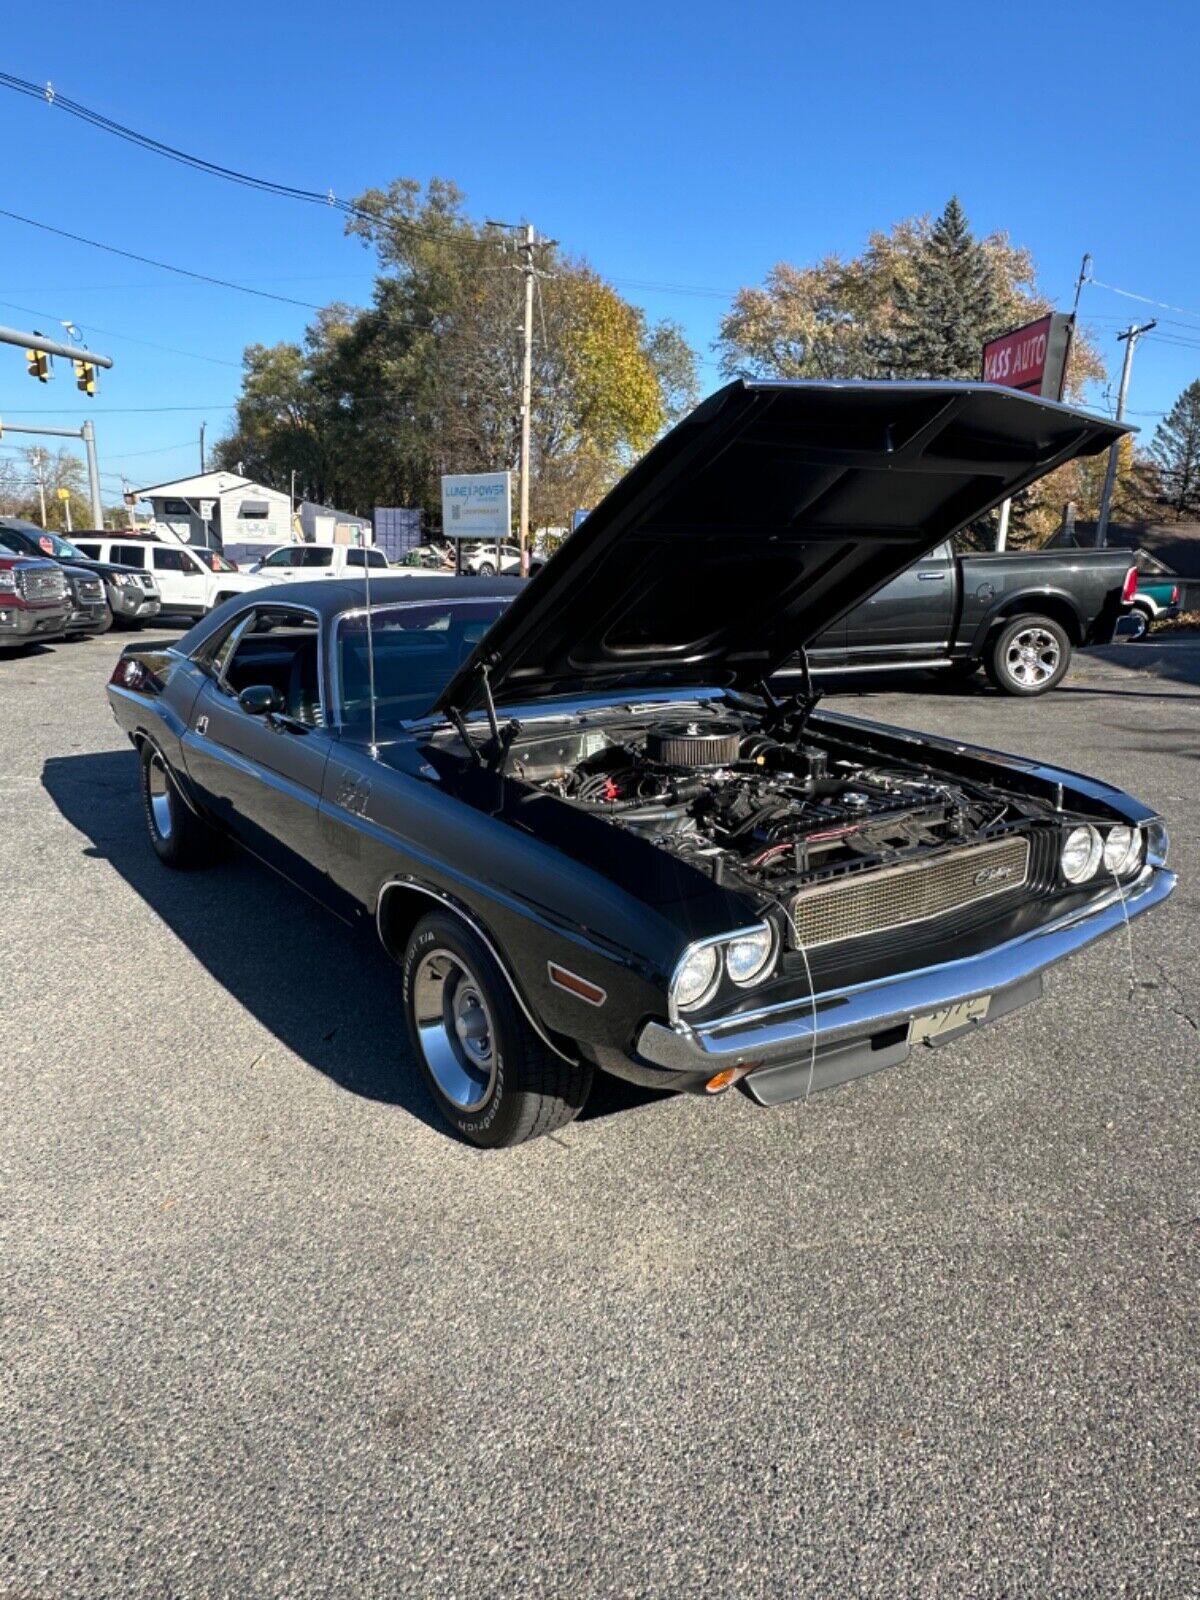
1033	358
477	505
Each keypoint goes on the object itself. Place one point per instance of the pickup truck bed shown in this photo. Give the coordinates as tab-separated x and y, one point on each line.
1018	614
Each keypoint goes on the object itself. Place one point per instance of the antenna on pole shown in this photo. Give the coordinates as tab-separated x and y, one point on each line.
374	746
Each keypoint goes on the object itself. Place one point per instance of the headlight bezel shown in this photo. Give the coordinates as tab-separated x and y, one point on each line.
1094	859
715	949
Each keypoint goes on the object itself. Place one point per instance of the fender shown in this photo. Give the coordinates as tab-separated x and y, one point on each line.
484	938
1021	601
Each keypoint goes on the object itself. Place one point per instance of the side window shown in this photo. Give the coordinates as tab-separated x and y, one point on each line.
281	558
315	555
129	555
279	646
375	558
171	561
91	549
356	558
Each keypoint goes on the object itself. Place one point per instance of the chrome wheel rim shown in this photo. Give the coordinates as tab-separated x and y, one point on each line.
1032	657
158	792
454	1029
1140	624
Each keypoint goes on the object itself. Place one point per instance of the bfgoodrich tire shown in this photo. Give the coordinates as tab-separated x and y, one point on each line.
177	835
493	1078
1029	656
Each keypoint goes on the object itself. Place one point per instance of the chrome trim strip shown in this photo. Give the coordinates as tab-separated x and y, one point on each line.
452	905
779	1032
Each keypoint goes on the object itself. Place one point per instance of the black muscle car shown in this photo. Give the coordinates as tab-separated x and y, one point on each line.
585	823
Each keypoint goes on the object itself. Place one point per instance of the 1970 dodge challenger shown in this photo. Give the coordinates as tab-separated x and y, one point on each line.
587	825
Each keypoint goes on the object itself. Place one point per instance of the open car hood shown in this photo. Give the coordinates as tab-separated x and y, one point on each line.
766	514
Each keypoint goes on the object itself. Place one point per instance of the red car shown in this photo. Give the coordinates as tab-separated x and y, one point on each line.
35	600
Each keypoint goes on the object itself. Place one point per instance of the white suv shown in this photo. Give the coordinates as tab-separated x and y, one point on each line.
191	579
488	559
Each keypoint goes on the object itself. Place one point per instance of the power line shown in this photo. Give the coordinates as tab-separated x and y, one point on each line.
165	266
126	338
215	169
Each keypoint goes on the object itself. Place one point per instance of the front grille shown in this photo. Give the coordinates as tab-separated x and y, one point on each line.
916	892
41	583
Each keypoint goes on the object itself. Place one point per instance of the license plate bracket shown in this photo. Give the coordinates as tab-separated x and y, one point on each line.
947	1022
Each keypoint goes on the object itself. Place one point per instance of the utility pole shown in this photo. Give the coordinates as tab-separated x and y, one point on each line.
1131	336
526	398
88	435
203	425
38	462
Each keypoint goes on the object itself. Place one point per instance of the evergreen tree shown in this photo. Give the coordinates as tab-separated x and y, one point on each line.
1175	452
949	306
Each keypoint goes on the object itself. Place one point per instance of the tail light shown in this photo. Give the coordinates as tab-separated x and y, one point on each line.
1130	589
1174	600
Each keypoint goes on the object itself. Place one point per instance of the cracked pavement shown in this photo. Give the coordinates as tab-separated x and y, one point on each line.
269	1331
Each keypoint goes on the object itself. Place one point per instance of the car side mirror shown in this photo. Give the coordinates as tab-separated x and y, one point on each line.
260	700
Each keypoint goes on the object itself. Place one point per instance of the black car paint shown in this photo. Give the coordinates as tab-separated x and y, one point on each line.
947	607
387	830
543	881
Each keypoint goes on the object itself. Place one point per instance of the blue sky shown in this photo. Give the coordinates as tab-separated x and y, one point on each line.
690	146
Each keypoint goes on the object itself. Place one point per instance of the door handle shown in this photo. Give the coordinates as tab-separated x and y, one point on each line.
931	577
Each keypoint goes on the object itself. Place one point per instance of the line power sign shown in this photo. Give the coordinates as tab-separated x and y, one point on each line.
477	505
1033	358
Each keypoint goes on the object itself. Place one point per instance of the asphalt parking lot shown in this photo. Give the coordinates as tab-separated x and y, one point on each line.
269	1331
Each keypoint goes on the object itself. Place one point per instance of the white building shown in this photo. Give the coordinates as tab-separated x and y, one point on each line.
242	512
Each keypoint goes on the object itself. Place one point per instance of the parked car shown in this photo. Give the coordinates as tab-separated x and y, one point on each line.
34	600
1017	614
426	557
1155	601
583	822
98	589
319	560
486	559
190	579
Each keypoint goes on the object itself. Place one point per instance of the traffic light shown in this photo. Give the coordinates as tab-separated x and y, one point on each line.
39	365
85	377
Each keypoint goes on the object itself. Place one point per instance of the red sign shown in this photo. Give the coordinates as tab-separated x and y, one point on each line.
1032	359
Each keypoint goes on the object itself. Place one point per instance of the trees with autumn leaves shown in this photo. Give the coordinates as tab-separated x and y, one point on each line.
920	301
377	403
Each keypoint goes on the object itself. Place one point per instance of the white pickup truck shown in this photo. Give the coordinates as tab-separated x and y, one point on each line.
296	561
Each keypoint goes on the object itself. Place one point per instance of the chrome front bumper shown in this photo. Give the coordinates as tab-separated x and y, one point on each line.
856	1028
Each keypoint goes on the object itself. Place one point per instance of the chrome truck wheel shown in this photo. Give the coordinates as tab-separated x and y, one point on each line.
1029	656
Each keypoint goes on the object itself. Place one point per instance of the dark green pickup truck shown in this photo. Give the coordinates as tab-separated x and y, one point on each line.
1017	614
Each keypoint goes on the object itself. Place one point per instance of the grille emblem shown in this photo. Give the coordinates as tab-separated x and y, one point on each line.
993	875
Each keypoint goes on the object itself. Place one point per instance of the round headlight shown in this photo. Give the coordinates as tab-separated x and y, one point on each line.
747	956
1082	852
1123	850
696	976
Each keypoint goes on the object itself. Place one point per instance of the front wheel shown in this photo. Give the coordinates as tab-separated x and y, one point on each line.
494	1079
1029	656
487	569
177	835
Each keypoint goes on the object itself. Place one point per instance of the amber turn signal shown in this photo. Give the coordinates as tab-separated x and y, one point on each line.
720	1081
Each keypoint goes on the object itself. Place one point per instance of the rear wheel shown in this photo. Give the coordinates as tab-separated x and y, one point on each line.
494	1079
487	569
1139	623
177	835
1029	656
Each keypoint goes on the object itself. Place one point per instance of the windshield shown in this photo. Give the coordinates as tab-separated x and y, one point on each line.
215	561
47	544
417	649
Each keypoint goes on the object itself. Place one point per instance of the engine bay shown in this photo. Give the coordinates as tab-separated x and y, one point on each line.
746	805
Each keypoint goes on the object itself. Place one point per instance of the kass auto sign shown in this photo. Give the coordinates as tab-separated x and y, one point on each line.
1032	359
